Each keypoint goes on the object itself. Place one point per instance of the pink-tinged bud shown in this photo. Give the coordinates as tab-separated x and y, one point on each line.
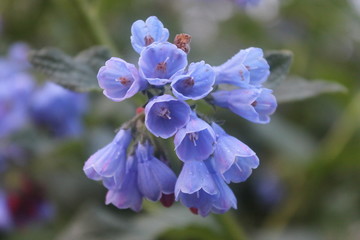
140	110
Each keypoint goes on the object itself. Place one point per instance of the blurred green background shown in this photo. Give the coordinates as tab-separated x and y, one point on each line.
309	172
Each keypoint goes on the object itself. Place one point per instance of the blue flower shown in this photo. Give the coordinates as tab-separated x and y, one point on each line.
255	105
58	110
164	115
154	177
160	61
225	198
128	194
246	69
120	80
195	83
194	142
15	93
145	33
233	158
109	163
195	187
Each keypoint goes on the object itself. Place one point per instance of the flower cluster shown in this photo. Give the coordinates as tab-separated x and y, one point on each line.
133	166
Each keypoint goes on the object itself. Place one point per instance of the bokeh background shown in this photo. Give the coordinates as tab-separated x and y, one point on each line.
307	185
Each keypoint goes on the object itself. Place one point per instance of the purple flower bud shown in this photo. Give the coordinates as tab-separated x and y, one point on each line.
164	115
195	83
195	187
255	105
247	68
109	163
232	158
120	80
128	194
154	177
160	61
194	142
59	110
145	33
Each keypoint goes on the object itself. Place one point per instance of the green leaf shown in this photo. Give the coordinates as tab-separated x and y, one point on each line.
280	62
77	74
297	88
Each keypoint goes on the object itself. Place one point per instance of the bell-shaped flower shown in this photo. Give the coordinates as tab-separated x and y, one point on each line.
58	110
194	142
145	33
195	83
109	163
225	198
229	149
241	169
154	177
120	80
160	61
164	115
253	104
246	69
128	194
195	187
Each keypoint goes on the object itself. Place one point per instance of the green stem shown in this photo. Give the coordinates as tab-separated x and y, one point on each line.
231	228
91	17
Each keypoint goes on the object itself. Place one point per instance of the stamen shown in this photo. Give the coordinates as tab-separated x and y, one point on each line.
148	40
189	82
164	113
194	137
123	80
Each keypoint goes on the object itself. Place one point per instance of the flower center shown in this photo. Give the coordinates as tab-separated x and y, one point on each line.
254	103
161	67
194	137
164	113
189	82
148	40
123	80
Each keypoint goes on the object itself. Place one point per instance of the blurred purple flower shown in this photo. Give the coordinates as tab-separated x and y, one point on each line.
5	217
58	110
145	33
15	93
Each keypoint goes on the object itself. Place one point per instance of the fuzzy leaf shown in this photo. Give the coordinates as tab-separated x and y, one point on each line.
280	62
77	74
297	88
